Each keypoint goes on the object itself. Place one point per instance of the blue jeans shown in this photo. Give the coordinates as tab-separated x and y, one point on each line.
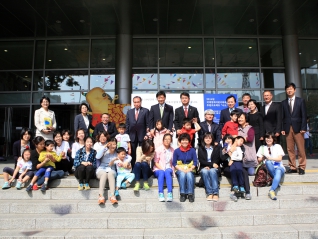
142	168
211	180
162	175
54	175
45	170
308	144
124	176
276	174
250	171
186	182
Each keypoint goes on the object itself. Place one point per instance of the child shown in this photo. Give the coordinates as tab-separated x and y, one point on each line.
187	128
21	171
158	133
123	140
236	164
67	136
231	127
49	166
123	166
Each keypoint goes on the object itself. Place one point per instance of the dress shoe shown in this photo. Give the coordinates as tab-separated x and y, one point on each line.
301	171
183	197
291	171
191	197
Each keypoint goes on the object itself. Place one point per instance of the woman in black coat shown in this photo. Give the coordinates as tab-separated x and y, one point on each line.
209	158
256	120
23	143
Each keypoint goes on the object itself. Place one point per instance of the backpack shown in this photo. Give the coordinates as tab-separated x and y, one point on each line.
262	177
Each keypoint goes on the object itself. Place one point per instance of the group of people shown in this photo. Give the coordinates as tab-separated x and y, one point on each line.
141	147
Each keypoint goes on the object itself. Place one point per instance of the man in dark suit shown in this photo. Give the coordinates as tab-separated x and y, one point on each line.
185	111
272	114
225	113
105	125
161	111
209	126
136	125
294	126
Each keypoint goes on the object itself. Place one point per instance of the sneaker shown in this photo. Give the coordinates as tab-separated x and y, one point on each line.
18	185
242	190
80	187
146	186
209	198
169	197
248	196
233	197
87	187
191	197
161	197
29	188
272	195
101	200
35	187
215	198
123	185
43	187
116	193
137	187
6	185
183	197
113	200
236	189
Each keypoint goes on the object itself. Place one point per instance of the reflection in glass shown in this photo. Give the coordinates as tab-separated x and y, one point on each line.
311	97
181	79
11	98
236	52
209	78
279	95
311	78
16	55
103	53
67	54
38	80
243	79
65	80
271	52
145	79
308	53
39	55
180	52
209	52
256	94
104	79
273	78
15	81
145	52
60	97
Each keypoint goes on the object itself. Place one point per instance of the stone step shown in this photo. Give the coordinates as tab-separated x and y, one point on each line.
159	220
72	193
142	205
301	231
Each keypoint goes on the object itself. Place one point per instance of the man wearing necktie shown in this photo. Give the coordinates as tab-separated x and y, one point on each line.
185	111
294	125
105	125
225	113
161	111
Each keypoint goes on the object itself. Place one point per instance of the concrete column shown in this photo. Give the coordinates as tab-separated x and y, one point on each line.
290	47
123	77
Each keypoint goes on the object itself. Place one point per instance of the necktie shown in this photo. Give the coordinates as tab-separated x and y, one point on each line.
231	110
161	110
291	106
136	115
209	126
105	127
186	112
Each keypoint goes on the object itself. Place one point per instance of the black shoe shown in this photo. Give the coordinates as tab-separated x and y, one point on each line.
191	197
43	188
183	197
291	171
29	188
301	171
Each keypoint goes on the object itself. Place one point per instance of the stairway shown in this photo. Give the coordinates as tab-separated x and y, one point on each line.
64	212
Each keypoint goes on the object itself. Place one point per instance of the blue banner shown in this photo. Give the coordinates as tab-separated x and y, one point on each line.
217	102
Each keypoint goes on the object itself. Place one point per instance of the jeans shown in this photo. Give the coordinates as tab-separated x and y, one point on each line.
308	144
46	171
276	174
142	168
250	171
124	176
236	170
211	180
162	175
54	175
186	182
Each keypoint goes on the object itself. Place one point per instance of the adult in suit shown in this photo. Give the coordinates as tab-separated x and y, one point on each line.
294	126
136	126
272	114
208	126
161	111
245	99
185	111
105	125
225	113
83	120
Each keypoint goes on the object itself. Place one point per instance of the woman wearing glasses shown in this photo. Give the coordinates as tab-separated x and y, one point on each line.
272	154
